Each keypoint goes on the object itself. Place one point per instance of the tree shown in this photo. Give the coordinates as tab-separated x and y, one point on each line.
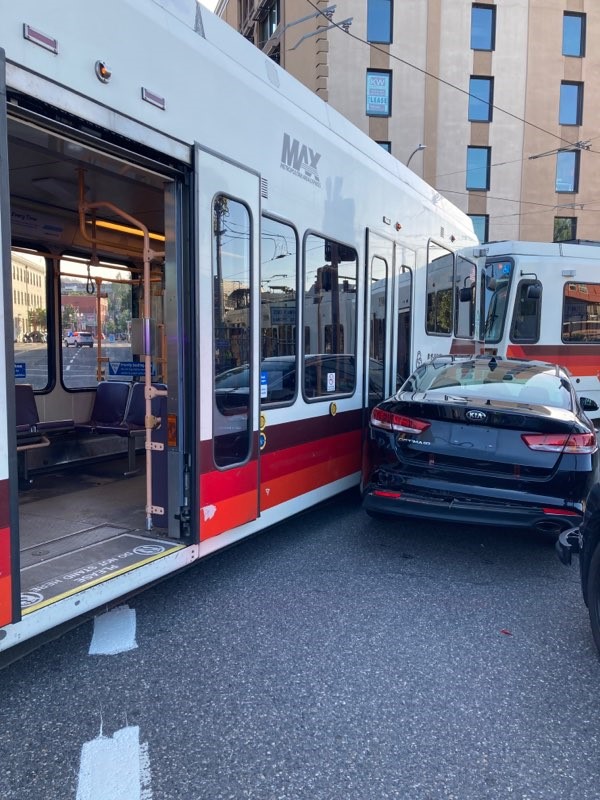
37	318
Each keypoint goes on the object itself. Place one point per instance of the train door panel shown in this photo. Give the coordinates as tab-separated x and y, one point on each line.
9	551
378	330
228	204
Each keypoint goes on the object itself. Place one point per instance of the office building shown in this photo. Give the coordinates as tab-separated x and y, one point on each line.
495	104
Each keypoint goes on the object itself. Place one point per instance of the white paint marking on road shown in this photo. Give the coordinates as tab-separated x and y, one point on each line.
114	632
116	768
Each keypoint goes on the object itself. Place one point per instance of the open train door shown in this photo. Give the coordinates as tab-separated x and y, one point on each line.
228	325
10	605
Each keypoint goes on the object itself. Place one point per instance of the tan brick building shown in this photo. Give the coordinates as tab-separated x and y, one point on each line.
504	96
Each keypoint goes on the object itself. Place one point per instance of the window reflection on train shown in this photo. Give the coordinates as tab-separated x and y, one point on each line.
329	324
450	294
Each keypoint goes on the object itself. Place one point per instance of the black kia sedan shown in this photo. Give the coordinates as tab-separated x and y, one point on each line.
482	440
586	541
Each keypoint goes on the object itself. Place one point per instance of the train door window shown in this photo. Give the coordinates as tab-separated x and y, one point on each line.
330	314
377	328
527	313
581	313
440	270
495	286
404	324
464	299
231	330
278	312
30	318
96	308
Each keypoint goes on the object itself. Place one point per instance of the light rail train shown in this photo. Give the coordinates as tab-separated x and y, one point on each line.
202	271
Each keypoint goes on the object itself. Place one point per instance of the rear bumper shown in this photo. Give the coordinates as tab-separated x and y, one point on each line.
550	519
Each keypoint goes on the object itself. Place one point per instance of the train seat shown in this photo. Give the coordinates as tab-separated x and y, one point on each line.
133	422
109	409
30	431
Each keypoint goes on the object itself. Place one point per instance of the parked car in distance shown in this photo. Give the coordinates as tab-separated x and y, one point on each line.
79	339
586	541
35	336
482	440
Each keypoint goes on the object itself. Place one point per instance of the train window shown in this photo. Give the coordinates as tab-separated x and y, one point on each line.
30	321
440	272
527	312
330	315
404	322
96	305
278	312
377	327
581	313
495	287
464	299
231	330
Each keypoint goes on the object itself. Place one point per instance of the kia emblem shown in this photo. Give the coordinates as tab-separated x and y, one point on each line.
476	416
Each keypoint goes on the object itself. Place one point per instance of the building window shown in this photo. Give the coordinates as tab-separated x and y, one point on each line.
379	93
571	103
567	171
481	226
565	229
573	43
483	27
268	23
481	97
478	168
386	146
379	21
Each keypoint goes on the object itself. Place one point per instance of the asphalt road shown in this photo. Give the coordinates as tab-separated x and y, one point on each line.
332	658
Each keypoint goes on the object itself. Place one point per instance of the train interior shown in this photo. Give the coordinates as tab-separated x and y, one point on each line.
88	294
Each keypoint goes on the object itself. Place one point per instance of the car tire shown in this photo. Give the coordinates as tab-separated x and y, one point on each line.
593	594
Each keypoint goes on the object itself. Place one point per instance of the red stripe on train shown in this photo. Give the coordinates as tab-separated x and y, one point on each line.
229	498
580	360
5	578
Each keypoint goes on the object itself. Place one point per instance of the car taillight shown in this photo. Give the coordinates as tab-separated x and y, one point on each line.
579	443
397	422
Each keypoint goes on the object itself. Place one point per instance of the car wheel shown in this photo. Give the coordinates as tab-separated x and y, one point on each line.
593	595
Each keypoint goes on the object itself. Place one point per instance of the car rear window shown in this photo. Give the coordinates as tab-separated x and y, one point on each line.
520	382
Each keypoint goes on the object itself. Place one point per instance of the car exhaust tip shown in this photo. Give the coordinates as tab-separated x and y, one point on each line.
549	527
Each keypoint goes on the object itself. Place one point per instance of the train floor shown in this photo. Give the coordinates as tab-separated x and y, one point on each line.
80	527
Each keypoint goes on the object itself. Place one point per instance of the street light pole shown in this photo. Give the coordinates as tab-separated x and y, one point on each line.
416	150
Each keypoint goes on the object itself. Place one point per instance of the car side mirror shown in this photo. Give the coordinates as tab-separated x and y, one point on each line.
587	404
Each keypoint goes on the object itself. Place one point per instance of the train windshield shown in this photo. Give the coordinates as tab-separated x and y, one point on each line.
497	279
